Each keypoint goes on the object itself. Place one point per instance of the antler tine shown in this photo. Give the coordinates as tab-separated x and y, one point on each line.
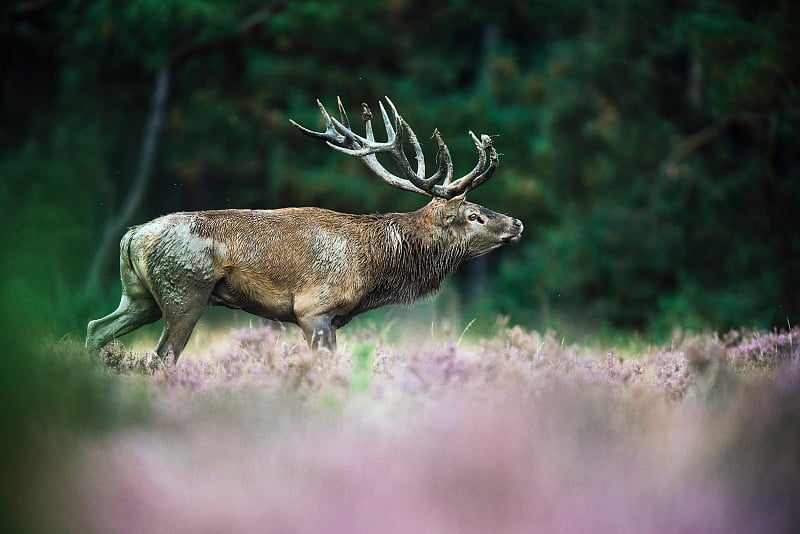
371	160
393	146
481	172
340	137
494	161
387	124
343	113
418	176
365	146
479	167
330	135
366	116
444	160
398	153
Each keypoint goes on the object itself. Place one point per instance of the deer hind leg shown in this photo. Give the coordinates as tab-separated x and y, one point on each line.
181	313
135	310
137	307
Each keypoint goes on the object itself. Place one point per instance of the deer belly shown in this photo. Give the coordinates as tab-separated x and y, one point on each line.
257	297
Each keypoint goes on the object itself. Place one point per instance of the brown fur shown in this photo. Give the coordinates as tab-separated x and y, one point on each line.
313	267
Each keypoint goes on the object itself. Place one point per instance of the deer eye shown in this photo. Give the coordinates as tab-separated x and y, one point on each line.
472	216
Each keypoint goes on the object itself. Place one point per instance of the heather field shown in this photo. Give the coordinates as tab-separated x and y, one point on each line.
516	432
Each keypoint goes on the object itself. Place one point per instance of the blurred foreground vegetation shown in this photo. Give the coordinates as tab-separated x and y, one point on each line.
252	432
649	147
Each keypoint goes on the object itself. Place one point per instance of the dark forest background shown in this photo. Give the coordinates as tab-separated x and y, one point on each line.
650	147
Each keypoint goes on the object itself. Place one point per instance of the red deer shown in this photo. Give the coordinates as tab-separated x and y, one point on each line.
309	266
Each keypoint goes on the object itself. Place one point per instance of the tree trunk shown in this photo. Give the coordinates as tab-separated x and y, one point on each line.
144	170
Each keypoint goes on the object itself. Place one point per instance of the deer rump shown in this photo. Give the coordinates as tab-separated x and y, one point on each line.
310	266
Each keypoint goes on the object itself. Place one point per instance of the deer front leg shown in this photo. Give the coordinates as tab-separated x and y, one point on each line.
319	333
312	308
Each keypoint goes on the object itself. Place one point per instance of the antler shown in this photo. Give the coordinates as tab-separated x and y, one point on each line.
339	136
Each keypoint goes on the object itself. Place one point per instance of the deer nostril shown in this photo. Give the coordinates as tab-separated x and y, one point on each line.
517	223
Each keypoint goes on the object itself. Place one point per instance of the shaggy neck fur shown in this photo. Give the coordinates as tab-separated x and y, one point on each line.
416	256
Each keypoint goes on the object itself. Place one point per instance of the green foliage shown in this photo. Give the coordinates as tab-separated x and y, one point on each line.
747	47
648	147
53	197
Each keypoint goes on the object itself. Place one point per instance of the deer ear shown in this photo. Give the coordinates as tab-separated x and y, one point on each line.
447	211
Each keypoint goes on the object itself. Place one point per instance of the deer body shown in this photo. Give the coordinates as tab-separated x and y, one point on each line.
309	266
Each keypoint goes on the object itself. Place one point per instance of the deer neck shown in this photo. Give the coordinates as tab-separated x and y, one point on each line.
419	256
